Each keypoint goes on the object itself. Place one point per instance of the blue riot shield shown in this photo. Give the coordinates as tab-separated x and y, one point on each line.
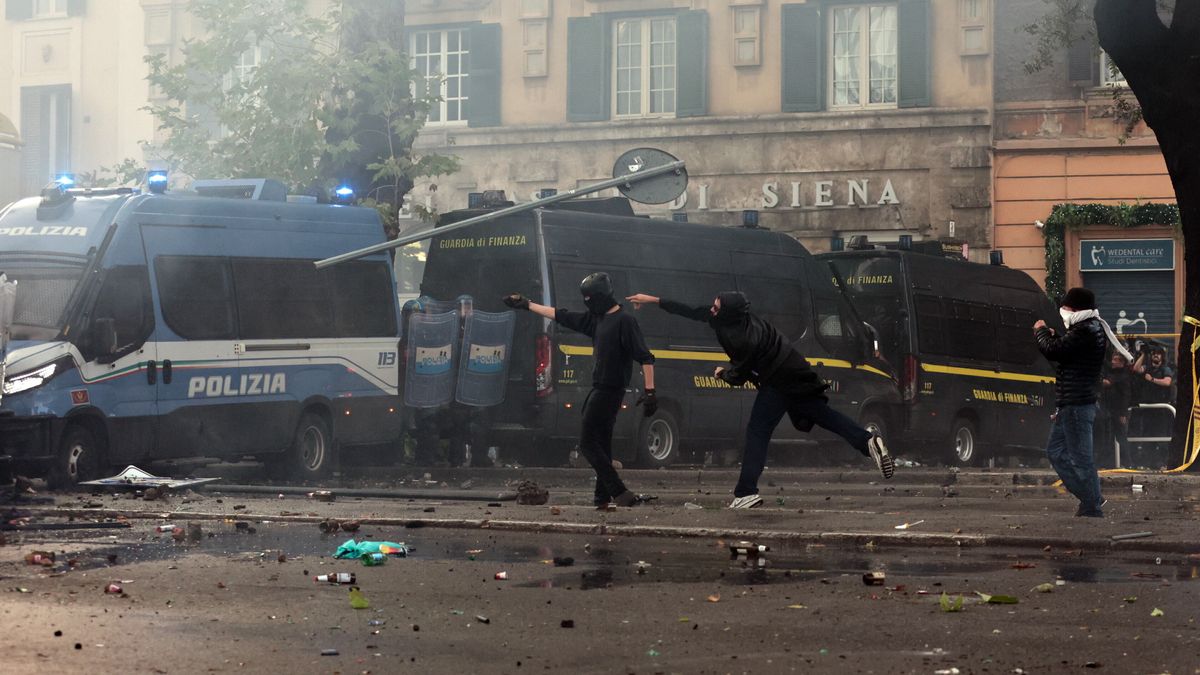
486	353
429	359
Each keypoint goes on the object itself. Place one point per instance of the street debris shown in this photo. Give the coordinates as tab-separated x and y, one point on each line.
715	597
482	619
530	494
692	506
905	526
1131	599
357	599
567	623
1044	588
997	599
642	566
135	478
1023	566
114	589
322	496
874	578
1137	487
564	561
43	558
351	549
950	605
555	511
1132	535
1156	612
501	576
797	607
350	525
329	525
373	559
746	549
164	528
329	652
338	578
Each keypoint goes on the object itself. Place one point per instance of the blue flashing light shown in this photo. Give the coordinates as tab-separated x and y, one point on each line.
837	244
750	218
906	242
474	200
65	180
156	181
344	192
679	217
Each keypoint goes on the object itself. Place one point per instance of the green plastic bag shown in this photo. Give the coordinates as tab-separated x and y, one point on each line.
357	549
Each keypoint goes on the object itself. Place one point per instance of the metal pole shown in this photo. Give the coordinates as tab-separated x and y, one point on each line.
518	208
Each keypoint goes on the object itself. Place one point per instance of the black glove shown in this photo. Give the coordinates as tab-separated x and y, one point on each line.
516	301
649	403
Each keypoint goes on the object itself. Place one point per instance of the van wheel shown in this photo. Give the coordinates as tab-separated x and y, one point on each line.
658	440
311	454
964	435
78	459
874	422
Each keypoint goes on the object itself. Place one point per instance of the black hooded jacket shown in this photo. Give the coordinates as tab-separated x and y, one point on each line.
1079	357
757	352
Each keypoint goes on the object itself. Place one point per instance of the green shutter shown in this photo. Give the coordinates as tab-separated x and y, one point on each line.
483	96
691	86
803	58
587	69
18	10
913	49
76	7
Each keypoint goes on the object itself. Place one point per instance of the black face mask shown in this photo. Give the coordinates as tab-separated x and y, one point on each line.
734	307
597	291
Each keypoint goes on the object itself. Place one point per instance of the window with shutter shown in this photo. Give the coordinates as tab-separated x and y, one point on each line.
863	56
587	69
644	67
46	130
484	75
913	54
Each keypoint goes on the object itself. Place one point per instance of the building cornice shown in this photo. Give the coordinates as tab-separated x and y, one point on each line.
1054	144
707	126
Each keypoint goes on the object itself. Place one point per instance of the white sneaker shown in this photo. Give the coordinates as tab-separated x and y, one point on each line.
883	459
747	502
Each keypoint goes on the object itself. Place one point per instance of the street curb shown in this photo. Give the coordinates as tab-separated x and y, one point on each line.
841	538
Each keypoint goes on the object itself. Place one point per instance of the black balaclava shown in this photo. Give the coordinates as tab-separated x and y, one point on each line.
734	307
597	291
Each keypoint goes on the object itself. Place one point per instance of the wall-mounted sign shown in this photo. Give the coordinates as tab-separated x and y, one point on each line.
1126	255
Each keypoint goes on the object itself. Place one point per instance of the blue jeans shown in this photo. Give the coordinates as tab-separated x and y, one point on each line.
1070	453
769	407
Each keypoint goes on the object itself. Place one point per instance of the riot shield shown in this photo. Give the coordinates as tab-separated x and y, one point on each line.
486	352
429	359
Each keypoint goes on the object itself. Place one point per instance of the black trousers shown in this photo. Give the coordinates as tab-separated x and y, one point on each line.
595	440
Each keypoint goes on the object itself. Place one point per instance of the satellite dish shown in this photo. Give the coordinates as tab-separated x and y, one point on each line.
656	190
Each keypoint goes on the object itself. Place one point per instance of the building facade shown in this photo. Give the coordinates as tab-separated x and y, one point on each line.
832	118
1059	139
73	80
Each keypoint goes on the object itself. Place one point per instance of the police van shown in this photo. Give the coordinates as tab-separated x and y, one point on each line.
960	336
545	253
162	326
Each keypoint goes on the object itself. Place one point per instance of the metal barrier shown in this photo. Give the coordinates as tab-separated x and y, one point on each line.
1145	439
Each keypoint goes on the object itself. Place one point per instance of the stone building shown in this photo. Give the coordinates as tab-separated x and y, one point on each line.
831	117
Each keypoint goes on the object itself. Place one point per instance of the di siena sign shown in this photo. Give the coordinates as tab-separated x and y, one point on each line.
1126	255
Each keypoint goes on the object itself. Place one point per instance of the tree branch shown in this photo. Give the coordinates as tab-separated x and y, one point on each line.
1134	37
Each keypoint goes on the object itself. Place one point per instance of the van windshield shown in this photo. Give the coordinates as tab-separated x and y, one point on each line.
486	262
43	292
875	286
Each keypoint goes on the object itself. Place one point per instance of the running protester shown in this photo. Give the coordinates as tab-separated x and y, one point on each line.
616	343
786	383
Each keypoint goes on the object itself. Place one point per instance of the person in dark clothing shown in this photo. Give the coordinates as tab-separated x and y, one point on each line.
1155	377
1116	395
786	383
616	343
1079	356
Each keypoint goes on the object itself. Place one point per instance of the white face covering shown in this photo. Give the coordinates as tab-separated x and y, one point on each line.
1072	318
1066	316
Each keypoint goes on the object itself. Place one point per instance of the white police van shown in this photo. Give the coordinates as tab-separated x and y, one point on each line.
162	326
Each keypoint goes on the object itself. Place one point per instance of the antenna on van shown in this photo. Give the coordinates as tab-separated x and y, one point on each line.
645	175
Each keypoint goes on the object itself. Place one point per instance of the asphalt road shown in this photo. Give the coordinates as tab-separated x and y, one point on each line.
227	603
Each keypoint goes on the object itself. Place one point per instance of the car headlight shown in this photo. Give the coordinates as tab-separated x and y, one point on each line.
25	381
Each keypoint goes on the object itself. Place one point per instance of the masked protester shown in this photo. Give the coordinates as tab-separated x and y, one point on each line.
616	343
786	383
1078	355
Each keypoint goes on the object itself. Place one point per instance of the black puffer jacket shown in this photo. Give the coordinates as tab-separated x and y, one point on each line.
757	352
1078	357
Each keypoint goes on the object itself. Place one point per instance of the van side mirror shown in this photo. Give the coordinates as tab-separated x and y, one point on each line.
872	340
103	337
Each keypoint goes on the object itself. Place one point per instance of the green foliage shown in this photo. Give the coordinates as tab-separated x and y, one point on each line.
303	111
126	173
1064	23
1075	216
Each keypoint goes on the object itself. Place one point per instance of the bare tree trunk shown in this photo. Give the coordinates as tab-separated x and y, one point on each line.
1162	67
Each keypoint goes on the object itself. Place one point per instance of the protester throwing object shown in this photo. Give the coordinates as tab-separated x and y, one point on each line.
786	383
1078	355
616	343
